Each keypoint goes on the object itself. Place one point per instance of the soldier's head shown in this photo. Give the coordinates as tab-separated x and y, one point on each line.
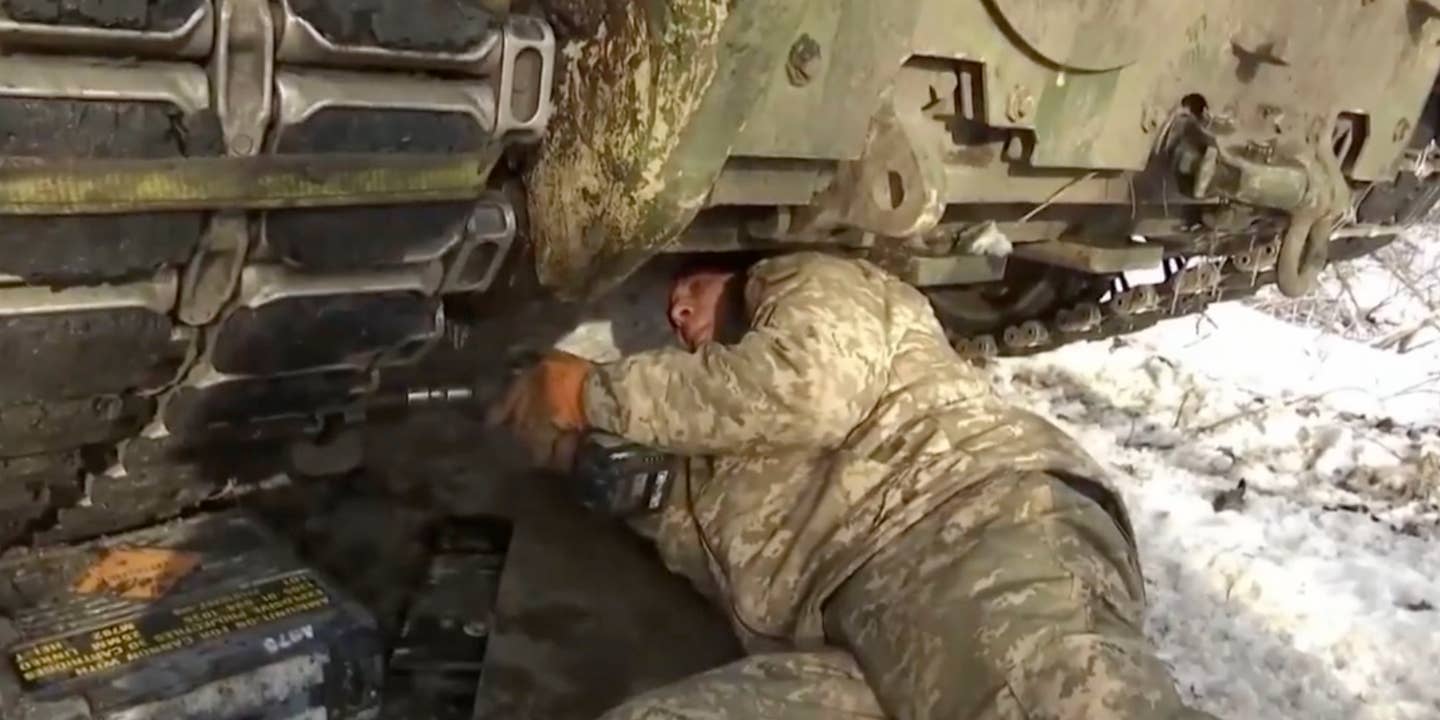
707	301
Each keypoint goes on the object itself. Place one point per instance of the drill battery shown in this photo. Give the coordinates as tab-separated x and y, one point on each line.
211	617
614	476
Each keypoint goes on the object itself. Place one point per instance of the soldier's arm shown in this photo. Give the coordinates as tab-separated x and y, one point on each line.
809	369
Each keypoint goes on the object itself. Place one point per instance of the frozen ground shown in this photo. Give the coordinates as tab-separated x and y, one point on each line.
1389	300
1316	595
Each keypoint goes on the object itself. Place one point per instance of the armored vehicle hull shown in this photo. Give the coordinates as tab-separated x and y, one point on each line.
1016	157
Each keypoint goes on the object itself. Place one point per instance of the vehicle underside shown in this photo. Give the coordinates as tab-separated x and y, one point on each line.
1016	159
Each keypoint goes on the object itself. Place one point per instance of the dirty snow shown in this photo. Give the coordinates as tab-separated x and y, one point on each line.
1317	597
1388	299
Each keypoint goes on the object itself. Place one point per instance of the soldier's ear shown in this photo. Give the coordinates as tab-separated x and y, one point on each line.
732	316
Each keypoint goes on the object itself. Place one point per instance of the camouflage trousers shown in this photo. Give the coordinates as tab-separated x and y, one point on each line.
1021	599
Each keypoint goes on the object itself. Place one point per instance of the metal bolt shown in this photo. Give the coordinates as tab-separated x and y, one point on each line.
1026	335
1402	130
804	61
1020	105
242	145
980	346
1149	120
107	407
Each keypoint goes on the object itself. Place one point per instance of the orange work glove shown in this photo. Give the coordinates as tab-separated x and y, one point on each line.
544	407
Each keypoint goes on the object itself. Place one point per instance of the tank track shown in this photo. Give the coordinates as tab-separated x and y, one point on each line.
1190	286
155	360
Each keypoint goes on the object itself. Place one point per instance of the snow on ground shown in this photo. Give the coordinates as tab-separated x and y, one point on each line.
1388	299
1319	597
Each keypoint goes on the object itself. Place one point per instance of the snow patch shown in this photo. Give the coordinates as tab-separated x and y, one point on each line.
1315	597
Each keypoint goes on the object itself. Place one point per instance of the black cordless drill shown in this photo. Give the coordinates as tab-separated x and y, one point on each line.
611	475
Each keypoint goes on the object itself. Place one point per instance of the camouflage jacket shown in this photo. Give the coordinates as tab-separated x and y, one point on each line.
841	418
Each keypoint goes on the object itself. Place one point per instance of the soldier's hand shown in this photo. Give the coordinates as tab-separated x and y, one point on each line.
545	410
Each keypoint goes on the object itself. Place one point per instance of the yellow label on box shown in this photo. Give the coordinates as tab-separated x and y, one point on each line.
154	633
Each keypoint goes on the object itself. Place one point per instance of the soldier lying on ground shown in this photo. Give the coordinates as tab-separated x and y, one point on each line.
889	538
